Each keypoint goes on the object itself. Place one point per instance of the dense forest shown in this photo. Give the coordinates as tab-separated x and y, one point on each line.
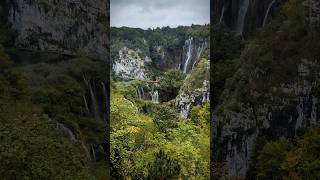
160	103
266	91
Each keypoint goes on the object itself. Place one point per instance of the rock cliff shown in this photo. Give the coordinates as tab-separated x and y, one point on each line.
274	91
71	27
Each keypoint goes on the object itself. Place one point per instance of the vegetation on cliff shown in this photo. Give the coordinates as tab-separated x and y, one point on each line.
262	82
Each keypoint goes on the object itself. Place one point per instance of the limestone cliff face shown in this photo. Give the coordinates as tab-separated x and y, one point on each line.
236	131
72	27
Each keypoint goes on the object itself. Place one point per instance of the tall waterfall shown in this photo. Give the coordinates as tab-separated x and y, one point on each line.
92	87
106	106
155	97
189	53
62	128
242	16
86	104
199	52
267	12
222	14
140	92
84	147
94	159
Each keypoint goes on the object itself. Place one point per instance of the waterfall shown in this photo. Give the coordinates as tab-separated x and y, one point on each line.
84	147
189	44
267	12
93	100
85	103
106	107
199	52
91	87
155	97
62	128
222	14
93	153
139	92
242	16
184	110
104	92
205	97
179	66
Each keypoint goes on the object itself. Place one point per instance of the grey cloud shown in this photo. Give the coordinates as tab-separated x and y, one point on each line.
159	13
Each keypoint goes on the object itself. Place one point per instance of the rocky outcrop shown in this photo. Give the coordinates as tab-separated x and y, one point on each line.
195	90
130	64
185	101
71	27
237	129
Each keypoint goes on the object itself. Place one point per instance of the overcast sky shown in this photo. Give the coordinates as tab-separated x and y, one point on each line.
159	13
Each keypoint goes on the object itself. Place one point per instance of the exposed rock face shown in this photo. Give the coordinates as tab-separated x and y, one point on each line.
72	27
236	131
193	92
243	16
198	96
130	64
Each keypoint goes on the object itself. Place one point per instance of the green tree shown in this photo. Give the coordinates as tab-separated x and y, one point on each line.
163	167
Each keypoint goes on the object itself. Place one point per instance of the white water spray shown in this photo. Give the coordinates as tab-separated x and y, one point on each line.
242	16
189	44
267	12
222	14
155	97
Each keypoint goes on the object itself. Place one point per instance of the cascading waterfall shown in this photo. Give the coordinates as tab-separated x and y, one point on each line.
179	66
85	103
155	97
104	92
106	108
84	147
189	44
93	153
91	86
222	14
184	110
242	16
205	97
139	92
199	52
267	12
62	128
